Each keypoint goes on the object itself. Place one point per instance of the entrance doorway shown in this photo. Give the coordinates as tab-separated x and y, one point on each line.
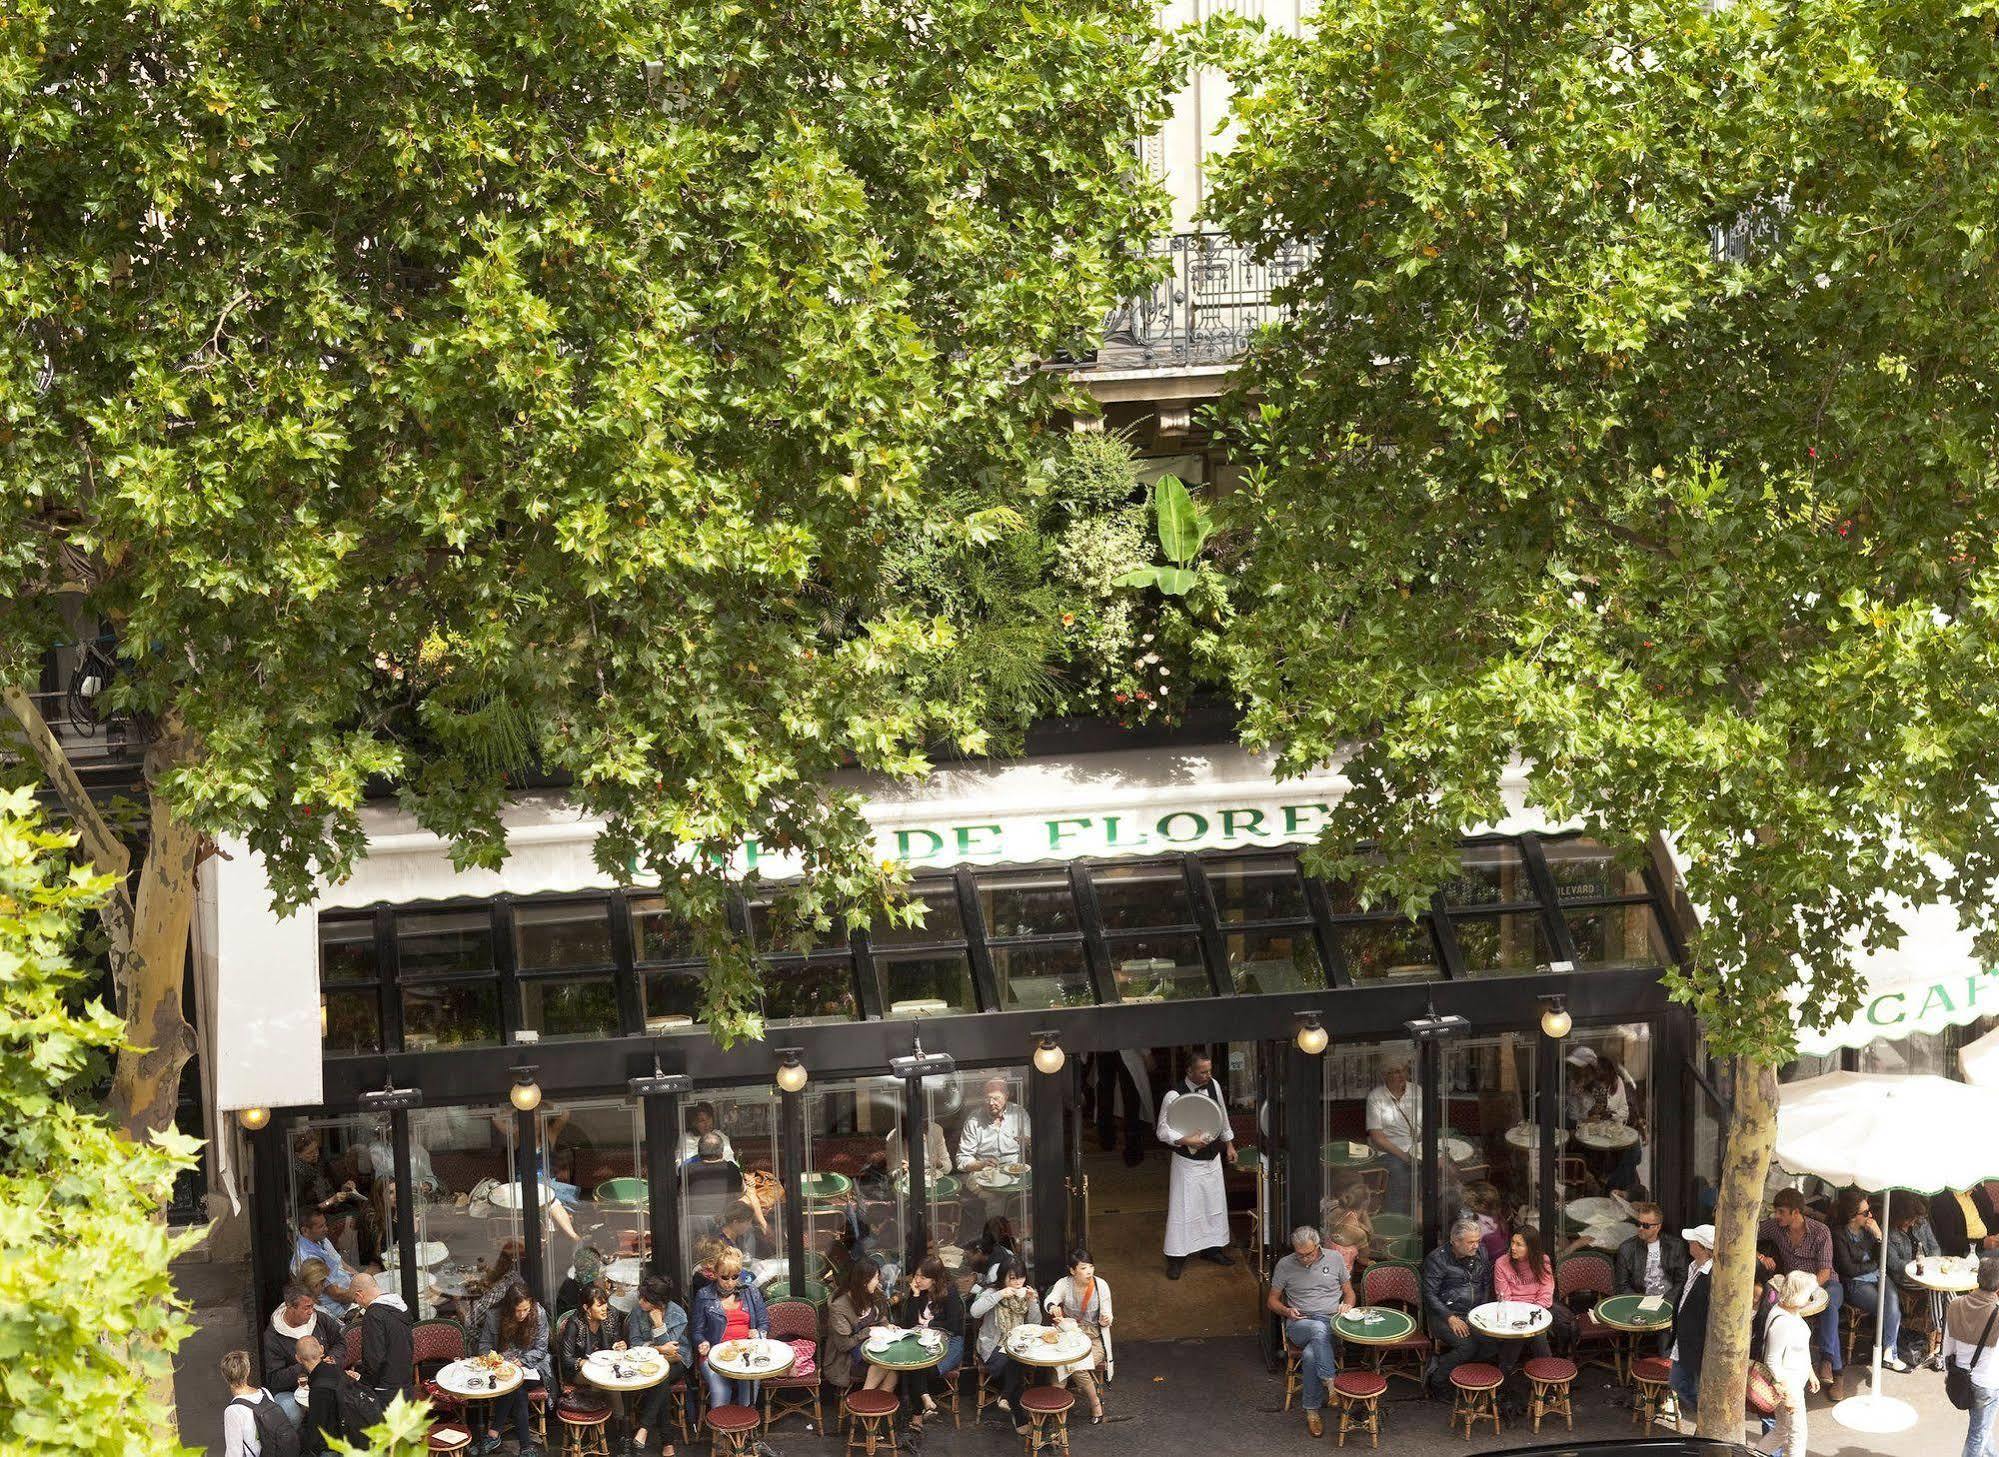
1120	1178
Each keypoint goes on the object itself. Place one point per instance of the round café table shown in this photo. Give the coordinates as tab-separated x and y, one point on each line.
1339	1154
907	1352
1374	1325
1943	1276
1527	1136
1027	1345
621	1372
1606	1136
1510	1320
757	1359
473	1384
825	1188
1626	1315
936	1186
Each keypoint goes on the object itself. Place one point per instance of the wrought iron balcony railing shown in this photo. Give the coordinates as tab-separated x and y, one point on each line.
1205	310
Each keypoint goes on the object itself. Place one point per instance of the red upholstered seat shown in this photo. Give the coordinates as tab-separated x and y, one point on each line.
1651	1368
1048	1399
1359	1383
582	1409
734	1418
1550	1368
872	1403
1477	1376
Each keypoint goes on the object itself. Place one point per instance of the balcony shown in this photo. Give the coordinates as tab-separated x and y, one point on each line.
1204	311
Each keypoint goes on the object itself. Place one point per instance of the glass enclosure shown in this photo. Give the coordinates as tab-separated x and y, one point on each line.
732	1192
1373	1145
329	1170
597	1182
1488	1156
983	1116
1606	1128
468	1205
853	1188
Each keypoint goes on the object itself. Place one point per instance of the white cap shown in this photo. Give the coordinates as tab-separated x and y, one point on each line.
1581	1057
1700	1234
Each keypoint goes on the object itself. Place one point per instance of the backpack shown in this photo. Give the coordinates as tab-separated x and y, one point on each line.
275	1435
360	1408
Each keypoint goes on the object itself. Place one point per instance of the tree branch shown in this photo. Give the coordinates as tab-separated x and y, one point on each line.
107	852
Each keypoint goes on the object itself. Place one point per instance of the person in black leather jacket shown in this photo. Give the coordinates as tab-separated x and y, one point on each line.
1634	1262
1457	1279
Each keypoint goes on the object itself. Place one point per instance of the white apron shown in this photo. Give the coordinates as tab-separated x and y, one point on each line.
1197	1204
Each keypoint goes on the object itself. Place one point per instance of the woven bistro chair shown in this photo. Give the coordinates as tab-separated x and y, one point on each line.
794	1394
1397	1283
1588	1274
435	1344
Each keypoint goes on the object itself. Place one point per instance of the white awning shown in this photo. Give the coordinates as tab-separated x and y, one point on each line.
263	970
1934	979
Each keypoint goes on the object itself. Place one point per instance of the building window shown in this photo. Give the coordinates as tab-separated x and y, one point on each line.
810	989
1281	959
1513	943
569	1007
1490	873
448	979
926	983
451	1014
942	920
1250	888
1034	977
1142	897
350	985
444	943
1396	950
1028	903
1588	870
553	934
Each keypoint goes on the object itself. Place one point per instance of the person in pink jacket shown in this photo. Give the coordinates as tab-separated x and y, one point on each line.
1524	1274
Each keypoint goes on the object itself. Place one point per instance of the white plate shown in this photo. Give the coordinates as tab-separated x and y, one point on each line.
505	1196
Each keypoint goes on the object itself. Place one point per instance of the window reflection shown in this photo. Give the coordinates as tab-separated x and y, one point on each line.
926	984
1489	875
562	933
1510	944
1373	1149
1258	888
988	1195
570	1007
942	919
1284	960
598	1175
1027	902
468	1206
451	1014
853	1187
1606	1118
1588	870
817	990
1617	937
1388	950
1488	1152
1137	897
1042	976
435	943
731	1191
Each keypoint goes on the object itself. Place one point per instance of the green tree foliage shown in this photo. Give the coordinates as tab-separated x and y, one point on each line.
88	1318
428	391
1637	423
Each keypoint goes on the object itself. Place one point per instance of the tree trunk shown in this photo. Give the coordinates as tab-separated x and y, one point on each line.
145	1086
1752	1136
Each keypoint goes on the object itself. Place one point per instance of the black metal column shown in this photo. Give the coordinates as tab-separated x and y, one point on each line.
1547	1120
1047	1110
916	1174
405	1216
1304	1174
270	1224
791	1143
527	1169
1430	1099
662	1135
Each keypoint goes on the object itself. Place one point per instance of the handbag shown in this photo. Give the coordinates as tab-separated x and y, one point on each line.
1956	1378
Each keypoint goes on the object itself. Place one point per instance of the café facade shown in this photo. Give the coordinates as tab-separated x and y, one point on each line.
521	1048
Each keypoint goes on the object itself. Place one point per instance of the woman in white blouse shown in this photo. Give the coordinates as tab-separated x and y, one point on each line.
1787	1351
1085	1298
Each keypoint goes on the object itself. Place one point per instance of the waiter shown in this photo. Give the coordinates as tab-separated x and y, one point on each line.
1197	1209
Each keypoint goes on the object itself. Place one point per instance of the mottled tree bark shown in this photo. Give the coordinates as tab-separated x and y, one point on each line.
1752	1135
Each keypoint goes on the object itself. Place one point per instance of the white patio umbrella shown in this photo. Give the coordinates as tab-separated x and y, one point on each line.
1914	1133
1980	1060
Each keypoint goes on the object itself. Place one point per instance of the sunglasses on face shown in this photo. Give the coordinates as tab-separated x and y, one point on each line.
1651	1226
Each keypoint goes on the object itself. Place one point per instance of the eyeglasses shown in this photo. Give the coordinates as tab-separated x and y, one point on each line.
1651	1226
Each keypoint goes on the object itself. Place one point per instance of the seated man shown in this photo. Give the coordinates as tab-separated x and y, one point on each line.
1652	1262
336	1297
1309	1288
1457	1279
1800	1242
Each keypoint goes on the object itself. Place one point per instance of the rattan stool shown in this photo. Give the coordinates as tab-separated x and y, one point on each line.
449	1437
1294	1372
732	1429
1650	1374
1477	1385
583	1425
870	1421
1047	1409
1550	1377
1360	1392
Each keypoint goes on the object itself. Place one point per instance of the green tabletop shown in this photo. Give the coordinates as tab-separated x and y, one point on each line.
629	1192
781	1290
1337	1155
1394	1226
1621	1312
1250	1160
937	1186
1004	1186
1387	1326
906	1354
825	1186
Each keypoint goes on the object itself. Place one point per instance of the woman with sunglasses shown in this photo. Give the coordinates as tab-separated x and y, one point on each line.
730	1309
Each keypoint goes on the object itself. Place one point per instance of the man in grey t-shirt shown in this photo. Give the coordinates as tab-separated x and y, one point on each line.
1308	1288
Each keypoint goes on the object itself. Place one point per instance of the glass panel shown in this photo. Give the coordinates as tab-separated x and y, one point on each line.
1027	902
984	1118
656	935
1606	1118
1257	888
1280	960
332	1177
853	1189
435	943
1373	1148
810	991
730	1193
1708	1121
462	1154
1380	950
350	1021
1506	945
347	950
1935	1053
451	1014
1489	875
764	934
1617	937
597	1176
1588	870
926	984
1489	1165
562	933
941	918
672	1000
1136	897
1042	976
1159	968
556	1008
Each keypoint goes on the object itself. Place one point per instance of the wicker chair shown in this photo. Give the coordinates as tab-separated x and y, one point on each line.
1398	1283
794	1395
434	1344
1588	1273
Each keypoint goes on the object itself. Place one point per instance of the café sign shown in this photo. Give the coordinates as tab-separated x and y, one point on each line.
1933	980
